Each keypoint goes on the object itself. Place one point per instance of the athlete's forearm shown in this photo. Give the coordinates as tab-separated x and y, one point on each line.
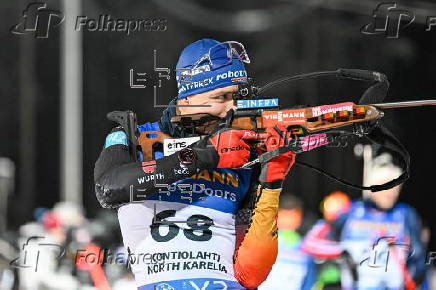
258	251
118	180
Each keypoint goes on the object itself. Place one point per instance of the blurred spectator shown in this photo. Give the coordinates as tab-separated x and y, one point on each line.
124	277
425	237
335	204
41	263
332	206
42	248
378	239
293	268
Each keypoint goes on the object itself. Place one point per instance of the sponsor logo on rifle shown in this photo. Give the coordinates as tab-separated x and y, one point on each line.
259	103
284	117
321	110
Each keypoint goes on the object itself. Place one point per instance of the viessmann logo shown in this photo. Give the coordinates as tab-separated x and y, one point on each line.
280	116
286	117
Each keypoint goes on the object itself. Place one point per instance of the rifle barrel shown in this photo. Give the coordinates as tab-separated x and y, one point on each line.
405	104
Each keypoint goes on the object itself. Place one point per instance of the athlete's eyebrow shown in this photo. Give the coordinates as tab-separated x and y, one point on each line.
224	91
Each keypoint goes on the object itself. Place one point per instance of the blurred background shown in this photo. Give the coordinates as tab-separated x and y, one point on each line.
57	88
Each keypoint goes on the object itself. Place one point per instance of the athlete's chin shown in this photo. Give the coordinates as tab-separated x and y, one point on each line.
386	205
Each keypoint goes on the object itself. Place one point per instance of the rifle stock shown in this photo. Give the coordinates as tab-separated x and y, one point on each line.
127	120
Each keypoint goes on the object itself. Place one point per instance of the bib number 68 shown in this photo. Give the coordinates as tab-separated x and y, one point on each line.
198	227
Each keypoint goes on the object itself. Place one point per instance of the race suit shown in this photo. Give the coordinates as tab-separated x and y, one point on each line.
379	249
183	236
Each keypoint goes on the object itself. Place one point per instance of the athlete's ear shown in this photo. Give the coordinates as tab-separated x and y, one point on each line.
181	110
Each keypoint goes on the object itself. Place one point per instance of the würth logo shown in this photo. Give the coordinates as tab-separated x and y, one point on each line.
37	19
388	21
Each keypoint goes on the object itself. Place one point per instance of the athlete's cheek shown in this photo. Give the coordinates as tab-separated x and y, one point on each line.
217	109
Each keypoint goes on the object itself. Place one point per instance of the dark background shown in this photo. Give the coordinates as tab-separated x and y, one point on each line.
281	37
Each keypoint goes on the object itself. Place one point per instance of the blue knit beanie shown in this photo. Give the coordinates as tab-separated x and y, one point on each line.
205	78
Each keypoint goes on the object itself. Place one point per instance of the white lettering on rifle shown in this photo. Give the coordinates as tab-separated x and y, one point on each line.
280	116
318	111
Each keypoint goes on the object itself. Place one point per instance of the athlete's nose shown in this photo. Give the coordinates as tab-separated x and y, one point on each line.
231	105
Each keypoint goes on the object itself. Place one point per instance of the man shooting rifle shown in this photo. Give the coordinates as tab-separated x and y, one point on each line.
215	227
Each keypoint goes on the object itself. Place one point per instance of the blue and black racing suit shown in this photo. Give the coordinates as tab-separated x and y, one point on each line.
380	249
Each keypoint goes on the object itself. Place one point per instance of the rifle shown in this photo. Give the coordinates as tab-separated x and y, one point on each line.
127	120
301	122
138	143
363	118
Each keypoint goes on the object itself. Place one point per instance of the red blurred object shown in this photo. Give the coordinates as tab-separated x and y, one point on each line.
91	259
51	221
335	204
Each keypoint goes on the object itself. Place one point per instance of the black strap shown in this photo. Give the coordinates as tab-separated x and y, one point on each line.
383	137
374	132
379	135
371	130
355	74
267	156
